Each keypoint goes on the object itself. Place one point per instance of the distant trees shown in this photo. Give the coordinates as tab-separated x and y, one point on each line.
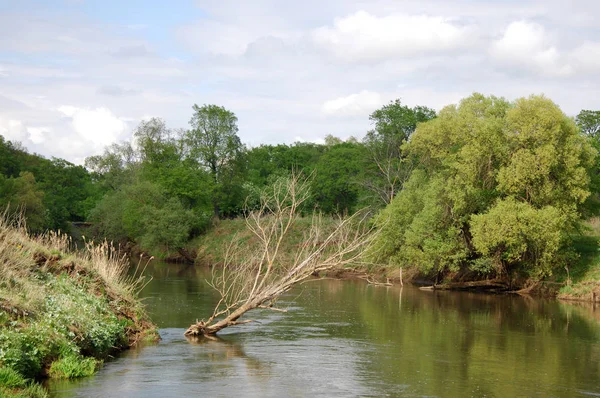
63	191
485	186
213	142
498	188
21	195
394	123
589	123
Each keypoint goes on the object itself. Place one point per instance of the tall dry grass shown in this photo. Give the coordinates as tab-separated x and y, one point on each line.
20	254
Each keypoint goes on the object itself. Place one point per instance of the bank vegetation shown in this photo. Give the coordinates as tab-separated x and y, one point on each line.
62	311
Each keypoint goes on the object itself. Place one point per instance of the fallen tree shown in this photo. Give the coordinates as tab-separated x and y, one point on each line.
256	273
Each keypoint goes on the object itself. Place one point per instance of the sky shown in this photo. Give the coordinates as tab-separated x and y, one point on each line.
78	75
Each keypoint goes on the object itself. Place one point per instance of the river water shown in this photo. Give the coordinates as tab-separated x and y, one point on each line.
347	339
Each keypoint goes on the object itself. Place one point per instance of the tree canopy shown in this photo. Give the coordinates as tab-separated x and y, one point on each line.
498	187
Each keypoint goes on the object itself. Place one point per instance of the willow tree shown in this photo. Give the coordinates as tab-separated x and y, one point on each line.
499	187
255	275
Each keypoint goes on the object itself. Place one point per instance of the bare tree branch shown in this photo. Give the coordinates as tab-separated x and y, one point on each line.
254	276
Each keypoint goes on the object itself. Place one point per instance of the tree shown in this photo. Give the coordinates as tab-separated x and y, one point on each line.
115	166
255	276
499	188
336	184
144	213
589	123
154	140
22	195
213	142
394	124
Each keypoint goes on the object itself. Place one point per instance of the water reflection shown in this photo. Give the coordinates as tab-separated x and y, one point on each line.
346	338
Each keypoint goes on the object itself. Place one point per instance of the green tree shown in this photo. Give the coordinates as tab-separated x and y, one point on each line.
336	184
22	195
387	170
213	142
500	186
589	123
114	167
143	213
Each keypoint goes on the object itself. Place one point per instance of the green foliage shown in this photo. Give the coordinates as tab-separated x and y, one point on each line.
416	229
500	187
386	169
10	378
25	350
146	214
22	195
398	121
589	123
214	144
511	232
66	191
67	312
336	184
72	366
14	385
267	160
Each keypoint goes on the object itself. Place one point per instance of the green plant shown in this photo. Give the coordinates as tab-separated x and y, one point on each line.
73	366
10	378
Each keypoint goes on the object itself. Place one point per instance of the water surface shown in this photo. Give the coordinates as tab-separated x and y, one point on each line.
347	338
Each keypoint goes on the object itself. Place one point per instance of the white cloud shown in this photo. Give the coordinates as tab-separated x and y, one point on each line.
586	58
526	45
13	130
319	141
353	104
365	37
37	134
275	64
98	125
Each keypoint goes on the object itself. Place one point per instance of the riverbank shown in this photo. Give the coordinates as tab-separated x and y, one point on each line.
579	280
62	312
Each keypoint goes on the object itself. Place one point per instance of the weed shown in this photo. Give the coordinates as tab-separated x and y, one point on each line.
10	378
73	366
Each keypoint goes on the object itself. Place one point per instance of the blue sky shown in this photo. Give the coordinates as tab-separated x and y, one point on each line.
77	75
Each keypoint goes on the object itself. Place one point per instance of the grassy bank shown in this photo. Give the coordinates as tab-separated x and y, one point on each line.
582	281
211	247
62	312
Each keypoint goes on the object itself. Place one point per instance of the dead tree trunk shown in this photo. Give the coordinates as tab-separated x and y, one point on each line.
254	276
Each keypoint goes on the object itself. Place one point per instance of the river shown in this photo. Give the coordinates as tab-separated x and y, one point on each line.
348	338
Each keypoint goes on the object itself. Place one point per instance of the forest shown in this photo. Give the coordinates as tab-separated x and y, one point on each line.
484	187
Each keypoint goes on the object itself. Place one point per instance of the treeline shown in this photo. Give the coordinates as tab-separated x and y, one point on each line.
166	186
485	186
49	192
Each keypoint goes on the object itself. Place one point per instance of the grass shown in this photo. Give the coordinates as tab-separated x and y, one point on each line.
212	246
61	310
73	366
583	276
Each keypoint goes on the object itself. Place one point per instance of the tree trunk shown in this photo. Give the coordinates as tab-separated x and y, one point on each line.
185	254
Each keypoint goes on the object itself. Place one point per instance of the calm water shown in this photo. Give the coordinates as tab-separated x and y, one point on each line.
345	339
